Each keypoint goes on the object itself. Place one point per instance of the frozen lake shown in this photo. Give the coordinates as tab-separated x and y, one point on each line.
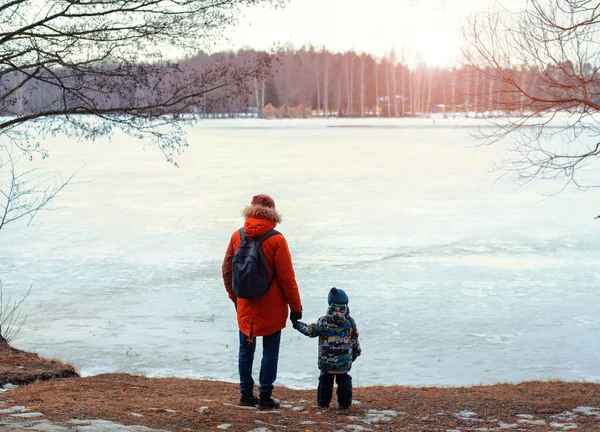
454	278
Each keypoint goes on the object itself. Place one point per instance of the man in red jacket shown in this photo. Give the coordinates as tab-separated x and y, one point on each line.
267	315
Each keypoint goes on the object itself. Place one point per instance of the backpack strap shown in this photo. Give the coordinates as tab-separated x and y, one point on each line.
260	239
267	235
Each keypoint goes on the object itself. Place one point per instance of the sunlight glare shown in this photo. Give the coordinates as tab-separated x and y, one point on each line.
421	31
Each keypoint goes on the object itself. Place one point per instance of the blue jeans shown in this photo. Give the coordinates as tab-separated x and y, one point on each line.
268	365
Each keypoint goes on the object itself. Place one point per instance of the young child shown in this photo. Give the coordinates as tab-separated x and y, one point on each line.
338	348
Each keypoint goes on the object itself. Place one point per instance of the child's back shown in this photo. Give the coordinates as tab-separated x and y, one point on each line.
338	348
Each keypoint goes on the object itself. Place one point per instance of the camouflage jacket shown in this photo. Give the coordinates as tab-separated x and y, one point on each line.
338	339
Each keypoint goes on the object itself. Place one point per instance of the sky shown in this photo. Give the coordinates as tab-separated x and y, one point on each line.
425	29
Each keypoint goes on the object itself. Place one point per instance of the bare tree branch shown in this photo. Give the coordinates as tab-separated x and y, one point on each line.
24	194
130	64
545	60
11	320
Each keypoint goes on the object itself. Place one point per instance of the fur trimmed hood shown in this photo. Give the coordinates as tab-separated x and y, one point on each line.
259	211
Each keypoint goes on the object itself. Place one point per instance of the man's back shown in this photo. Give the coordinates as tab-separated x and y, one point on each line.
269	313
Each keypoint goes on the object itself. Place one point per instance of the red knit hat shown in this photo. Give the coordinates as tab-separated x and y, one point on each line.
263	200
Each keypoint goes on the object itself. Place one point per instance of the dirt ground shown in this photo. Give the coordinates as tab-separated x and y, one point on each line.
176	404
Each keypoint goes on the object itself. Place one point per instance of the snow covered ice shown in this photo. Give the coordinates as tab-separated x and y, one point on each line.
454	277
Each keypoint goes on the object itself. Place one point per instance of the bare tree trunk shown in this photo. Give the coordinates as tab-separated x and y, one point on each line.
351	83
453	90
326	86
262	97
419	83
402	96
411	91
394	90
376	89
339	101
346	61
476	93
258	106
445	93
362	85
318	89
387	84
429	80
20	102
523	84
491	85
467	89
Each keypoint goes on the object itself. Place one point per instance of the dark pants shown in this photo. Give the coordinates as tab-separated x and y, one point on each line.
325	389
268	365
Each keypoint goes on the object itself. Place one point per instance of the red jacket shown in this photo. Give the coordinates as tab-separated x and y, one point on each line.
268	314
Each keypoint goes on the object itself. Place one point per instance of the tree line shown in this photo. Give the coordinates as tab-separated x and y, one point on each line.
349	84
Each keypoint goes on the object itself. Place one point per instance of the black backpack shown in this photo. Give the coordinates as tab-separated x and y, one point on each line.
251	278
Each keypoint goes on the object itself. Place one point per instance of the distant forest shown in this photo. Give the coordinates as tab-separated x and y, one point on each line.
324	83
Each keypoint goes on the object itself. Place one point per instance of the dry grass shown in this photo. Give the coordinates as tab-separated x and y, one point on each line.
20	367
196	405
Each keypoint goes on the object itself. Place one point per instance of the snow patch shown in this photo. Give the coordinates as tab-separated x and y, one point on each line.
17	408
586	410
224	426
28	415
376	416
565	415
532	422
564	426
356	427
106	425
241	407
163	410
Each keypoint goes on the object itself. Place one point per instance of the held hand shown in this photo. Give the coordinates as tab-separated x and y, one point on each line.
294	317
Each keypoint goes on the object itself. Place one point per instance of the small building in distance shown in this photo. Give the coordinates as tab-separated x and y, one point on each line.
269	111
